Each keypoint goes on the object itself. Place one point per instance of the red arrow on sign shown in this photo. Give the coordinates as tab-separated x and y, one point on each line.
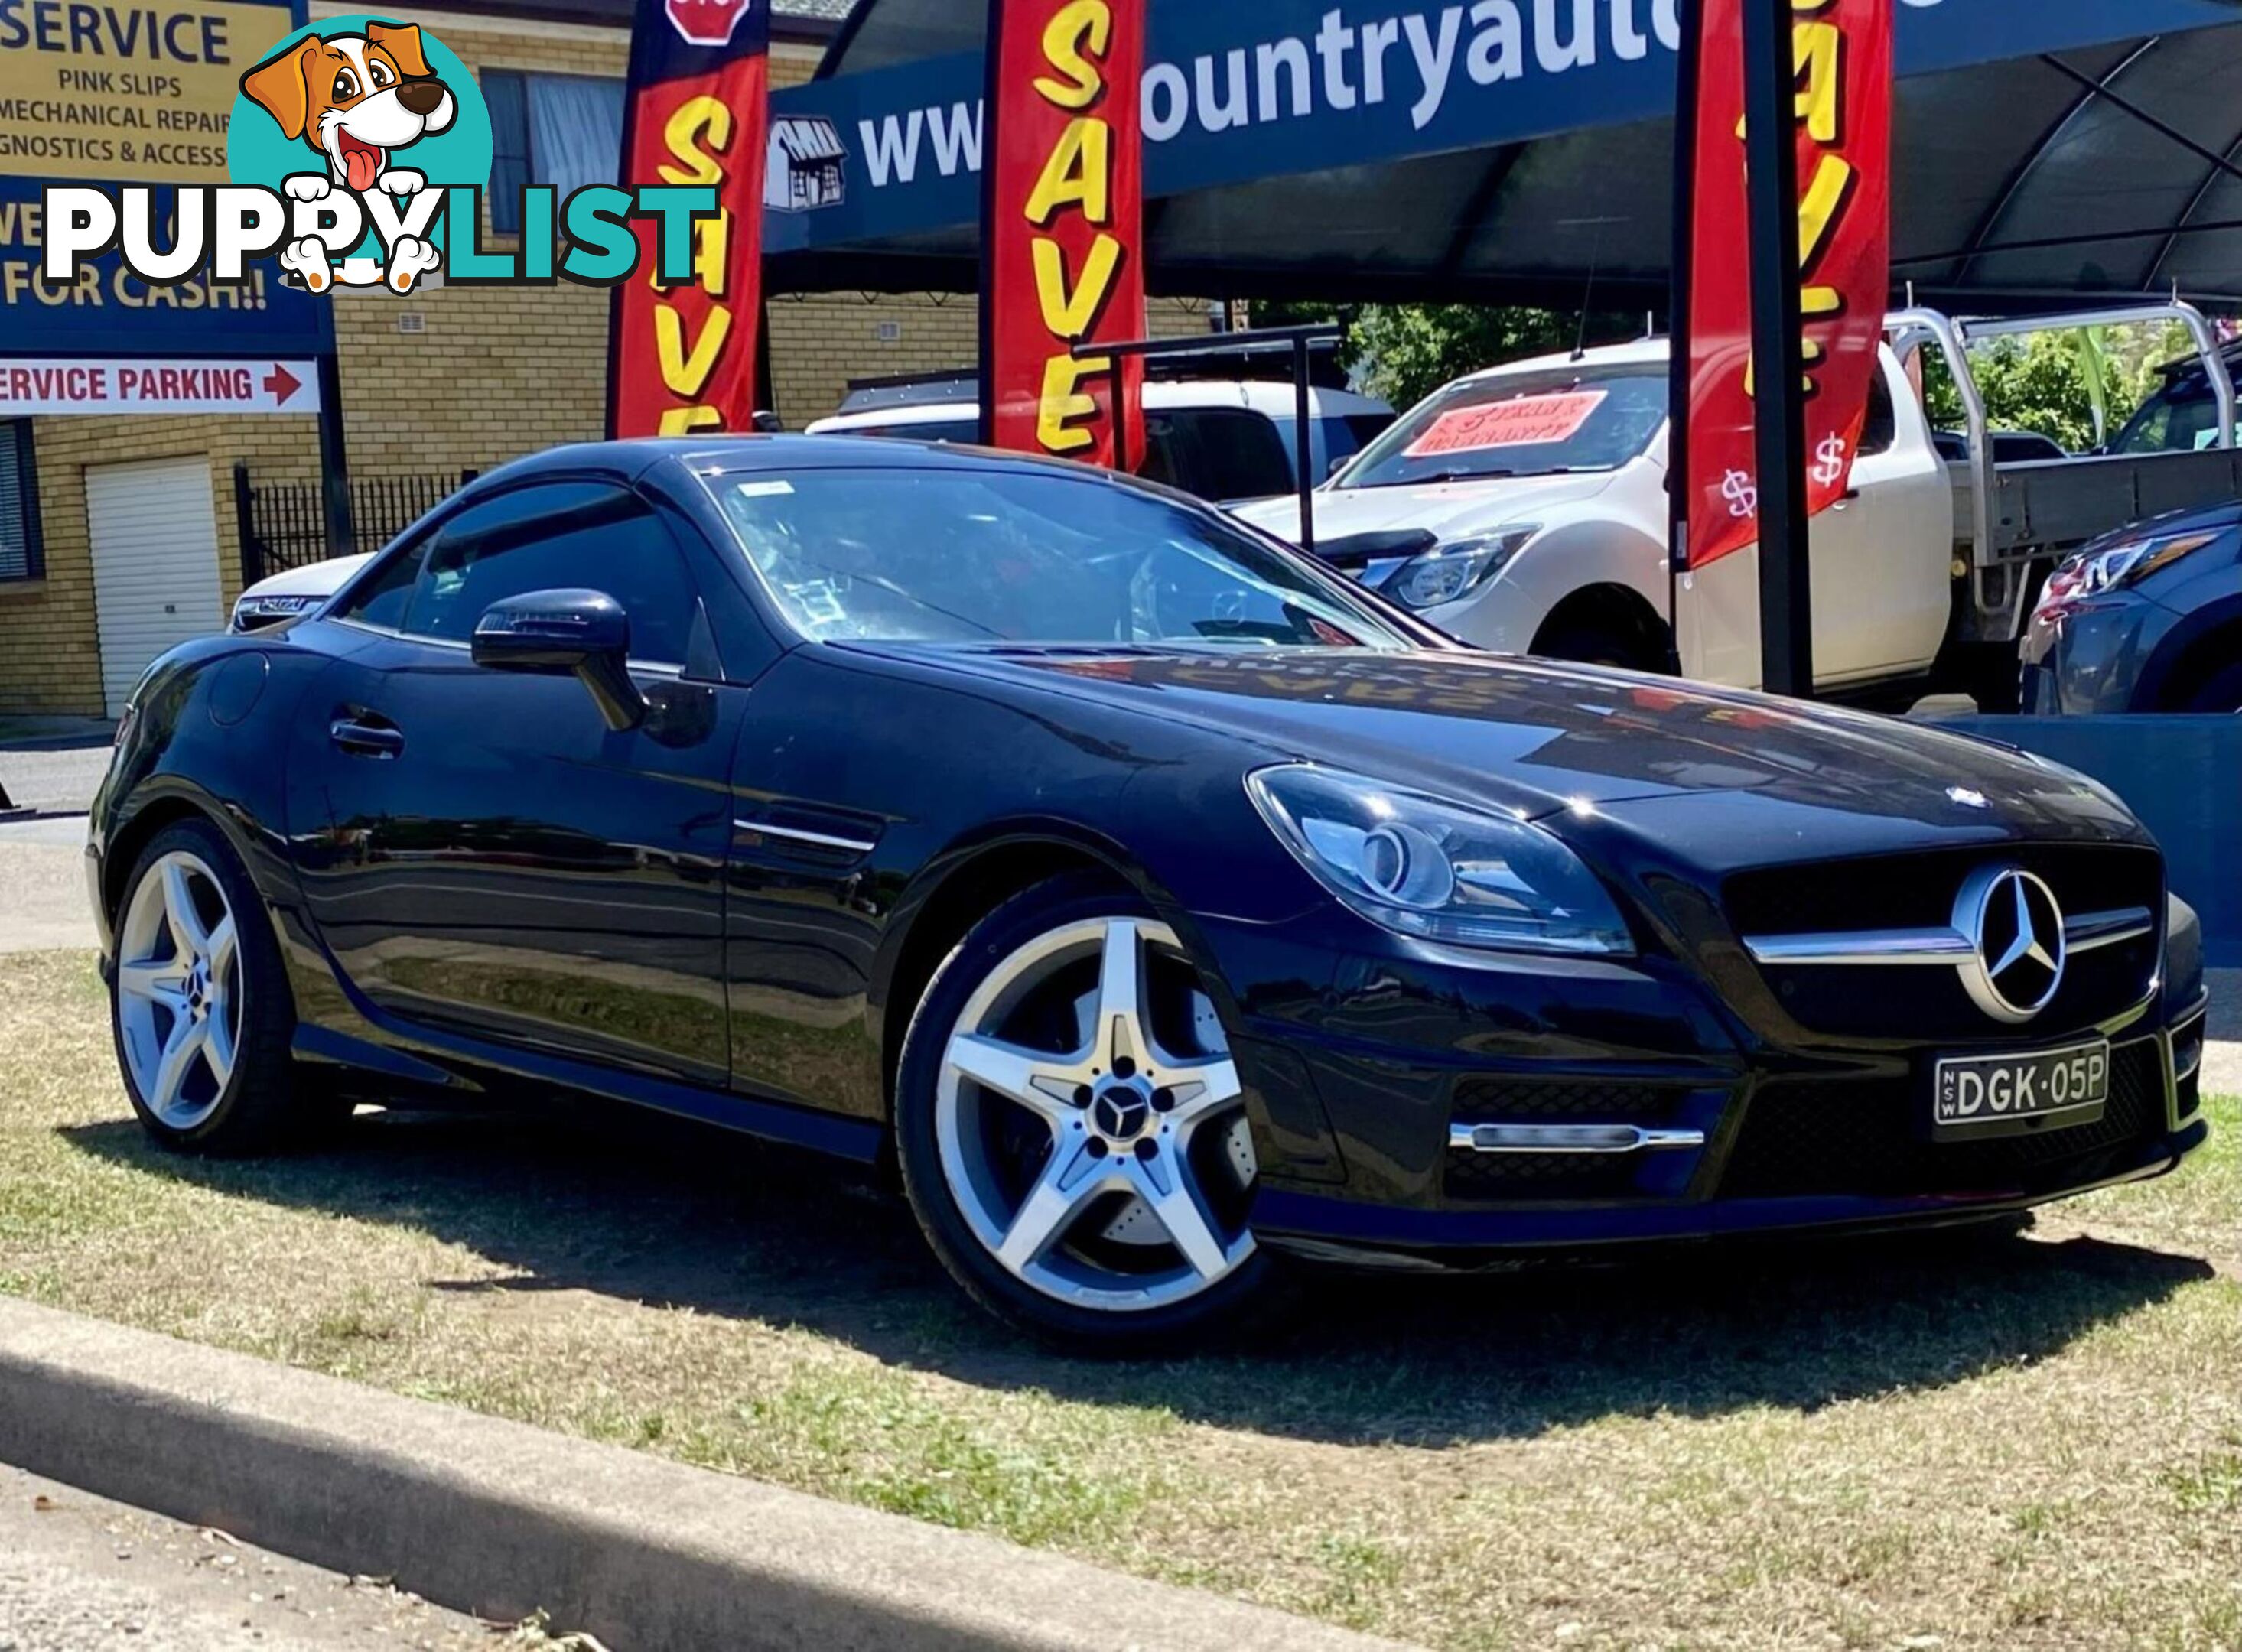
281	384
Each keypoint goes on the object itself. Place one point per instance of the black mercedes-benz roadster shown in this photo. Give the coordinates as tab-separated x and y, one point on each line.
1165	909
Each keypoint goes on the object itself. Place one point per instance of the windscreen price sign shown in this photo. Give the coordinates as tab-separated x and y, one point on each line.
124	93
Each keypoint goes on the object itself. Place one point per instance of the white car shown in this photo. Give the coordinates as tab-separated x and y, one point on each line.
1549	536
281	597
1218	439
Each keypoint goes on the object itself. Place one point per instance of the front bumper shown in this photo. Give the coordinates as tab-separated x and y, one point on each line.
1381	1080
2092	662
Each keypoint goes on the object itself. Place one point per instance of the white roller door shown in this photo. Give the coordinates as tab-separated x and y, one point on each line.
154	529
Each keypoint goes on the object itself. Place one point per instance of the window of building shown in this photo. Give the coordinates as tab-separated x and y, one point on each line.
20	556
562	130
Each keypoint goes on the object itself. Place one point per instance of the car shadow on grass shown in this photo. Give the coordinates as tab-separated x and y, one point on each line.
677	1216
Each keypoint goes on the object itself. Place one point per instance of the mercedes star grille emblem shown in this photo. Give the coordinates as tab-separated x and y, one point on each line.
2015	930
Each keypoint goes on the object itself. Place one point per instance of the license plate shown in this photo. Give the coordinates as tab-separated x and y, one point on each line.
1978	1096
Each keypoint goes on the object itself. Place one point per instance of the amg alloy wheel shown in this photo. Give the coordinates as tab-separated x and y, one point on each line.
179	990
200	1005
1075	1137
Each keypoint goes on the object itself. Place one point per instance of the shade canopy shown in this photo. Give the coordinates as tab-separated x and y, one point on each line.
1520	151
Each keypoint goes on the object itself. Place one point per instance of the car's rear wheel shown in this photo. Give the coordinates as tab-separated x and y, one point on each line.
1071	1129
200	1006
2221	692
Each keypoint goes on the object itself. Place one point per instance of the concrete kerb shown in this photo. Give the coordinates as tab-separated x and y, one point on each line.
500	1519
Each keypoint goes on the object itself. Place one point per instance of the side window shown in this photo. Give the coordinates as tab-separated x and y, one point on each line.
382	599
1161	462
1227	453
564	536
1882	428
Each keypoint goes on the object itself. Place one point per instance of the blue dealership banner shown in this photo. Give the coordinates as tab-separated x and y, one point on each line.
108	310
1233	93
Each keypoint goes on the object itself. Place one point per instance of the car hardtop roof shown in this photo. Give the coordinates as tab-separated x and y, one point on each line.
1256	395
763	454
749	453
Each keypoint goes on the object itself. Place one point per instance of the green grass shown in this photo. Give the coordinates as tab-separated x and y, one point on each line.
2031	1443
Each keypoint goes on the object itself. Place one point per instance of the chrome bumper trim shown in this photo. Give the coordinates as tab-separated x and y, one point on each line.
1568	1139
2194	1019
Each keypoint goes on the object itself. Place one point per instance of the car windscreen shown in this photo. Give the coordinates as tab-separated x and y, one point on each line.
2183	418
1000	556
1521	423
949	430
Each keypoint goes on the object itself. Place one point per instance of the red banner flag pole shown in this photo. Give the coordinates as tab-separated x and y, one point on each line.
1062	228
683	358
1804	184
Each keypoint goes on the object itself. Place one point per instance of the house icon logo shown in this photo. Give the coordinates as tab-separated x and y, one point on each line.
807	166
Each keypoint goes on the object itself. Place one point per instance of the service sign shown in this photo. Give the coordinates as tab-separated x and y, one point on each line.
62	385
1843	50
103	308
106	91
1062	232
125	93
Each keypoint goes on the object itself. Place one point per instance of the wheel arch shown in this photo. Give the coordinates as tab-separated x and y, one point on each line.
1618	609
962	886
164	805
2195	648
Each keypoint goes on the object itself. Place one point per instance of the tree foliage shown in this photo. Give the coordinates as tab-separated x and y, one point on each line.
2040	382
1407	351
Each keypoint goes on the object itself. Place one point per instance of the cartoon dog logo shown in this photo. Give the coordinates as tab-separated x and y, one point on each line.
355	100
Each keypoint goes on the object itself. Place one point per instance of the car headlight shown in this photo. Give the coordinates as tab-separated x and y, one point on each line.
252	613
1457	568
2116	567
1438	871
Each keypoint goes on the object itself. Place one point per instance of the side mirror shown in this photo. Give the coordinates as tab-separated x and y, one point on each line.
580	633
1337	465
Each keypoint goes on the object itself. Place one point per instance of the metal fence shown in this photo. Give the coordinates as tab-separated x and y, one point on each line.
284	525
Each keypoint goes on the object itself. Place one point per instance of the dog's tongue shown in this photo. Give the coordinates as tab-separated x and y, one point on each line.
363	166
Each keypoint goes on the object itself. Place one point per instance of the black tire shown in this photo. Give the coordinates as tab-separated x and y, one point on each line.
2223	693
1248	1299
1592	645
257	1108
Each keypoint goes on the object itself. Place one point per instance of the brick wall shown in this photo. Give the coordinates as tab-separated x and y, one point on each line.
492	374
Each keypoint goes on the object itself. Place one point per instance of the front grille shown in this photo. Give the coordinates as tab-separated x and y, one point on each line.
1542	1176
1520	1100
1927	1004
1869	1136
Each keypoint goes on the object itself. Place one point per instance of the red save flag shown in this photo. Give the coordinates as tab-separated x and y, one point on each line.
1063	230
1843	50
681	358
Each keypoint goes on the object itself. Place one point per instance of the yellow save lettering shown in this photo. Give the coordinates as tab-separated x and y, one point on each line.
1079	172
680	134
1071	315
1071	27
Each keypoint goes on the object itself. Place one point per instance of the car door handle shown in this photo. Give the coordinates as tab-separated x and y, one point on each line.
366	739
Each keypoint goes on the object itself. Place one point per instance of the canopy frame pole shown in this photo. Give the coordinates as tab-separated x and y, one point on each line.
1786	595
1303	341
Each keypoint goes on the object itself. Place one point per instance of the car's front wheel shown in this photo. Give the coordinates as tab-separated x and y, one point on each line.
1071	1129
200	1004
